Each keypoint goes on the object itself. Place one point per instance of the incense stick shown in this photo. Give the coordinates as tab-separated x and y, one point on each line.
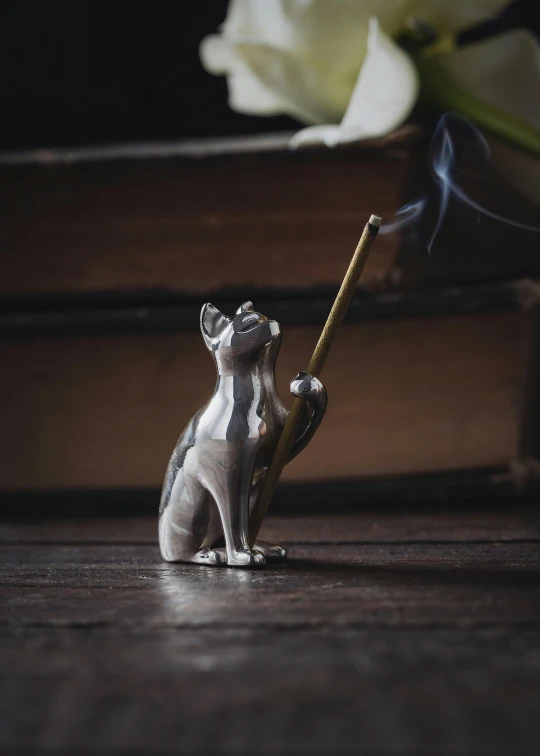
294	419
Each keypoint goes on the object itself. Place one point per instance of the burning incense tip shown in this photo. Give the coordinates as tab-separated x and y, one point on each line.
375	220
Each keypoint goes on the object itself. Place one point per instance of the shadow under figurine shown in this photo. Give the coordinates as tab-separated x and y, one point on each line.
222	456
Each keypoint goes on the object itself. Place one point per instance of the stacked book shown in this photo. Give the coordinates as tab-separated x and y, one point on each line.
108	256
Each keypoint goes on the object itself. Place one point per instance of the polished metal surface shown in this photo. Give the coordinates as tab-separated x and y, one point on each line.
222	456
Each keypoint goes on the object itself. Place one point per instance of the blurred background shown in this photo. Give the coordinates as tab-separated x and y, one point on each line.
153	161
80	76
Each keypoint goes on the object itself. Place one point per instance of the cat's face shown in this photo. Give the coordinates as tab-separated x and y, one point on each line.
244	334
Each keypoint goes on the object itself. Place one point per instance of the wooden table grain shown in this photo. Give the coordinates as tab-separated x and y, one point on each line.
409	633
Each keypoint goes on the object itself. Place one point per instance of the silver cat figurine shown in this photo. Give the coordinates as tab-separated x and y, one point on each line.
222	456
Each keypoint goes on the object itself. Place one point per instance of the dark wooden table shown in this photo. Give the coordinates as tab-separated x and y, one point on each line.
408	634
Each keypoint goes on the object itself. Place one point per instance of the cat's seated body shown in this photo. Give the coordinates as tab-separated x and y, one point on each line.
222	456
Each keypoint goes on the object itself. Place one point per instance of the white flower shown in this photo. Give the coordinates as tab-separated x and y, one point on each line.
303	58
333	64
383	96
503	71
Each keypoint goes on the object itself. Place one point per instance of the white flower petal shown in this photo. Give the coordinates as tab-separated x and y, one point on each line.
503	72
306	52
384	95
247	93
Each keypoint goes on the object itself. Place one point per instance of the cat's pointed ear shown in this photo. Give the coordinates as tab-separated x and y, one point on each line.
246	307
212	323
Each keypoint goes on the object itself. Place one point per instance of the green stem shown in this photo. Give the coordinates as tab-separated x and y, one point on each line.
438	89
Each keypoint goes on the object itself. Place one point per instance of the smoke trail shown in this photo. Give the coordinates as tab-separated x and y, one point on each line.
443	169
405	217
442	163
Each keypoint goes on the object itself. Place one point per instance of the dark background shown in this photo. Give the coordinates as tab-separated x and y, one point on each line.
86	73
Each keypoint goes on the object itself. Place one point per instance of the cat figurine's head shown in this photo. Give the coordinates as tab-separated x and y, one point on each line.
243	335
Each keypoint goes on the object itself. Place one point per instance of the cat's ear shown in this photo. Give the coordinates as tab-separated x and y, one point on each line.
246	307
212	323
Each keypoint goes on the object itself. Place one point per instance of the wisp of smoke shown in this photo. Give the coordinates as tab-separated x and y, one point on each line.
443	170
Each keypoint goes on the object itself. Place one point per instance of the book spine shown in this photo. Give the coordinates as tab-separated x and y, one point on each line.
103	314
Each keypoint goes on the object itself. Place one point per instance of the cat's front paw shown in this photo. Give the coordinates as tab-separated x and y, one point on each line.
246	558
306	386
